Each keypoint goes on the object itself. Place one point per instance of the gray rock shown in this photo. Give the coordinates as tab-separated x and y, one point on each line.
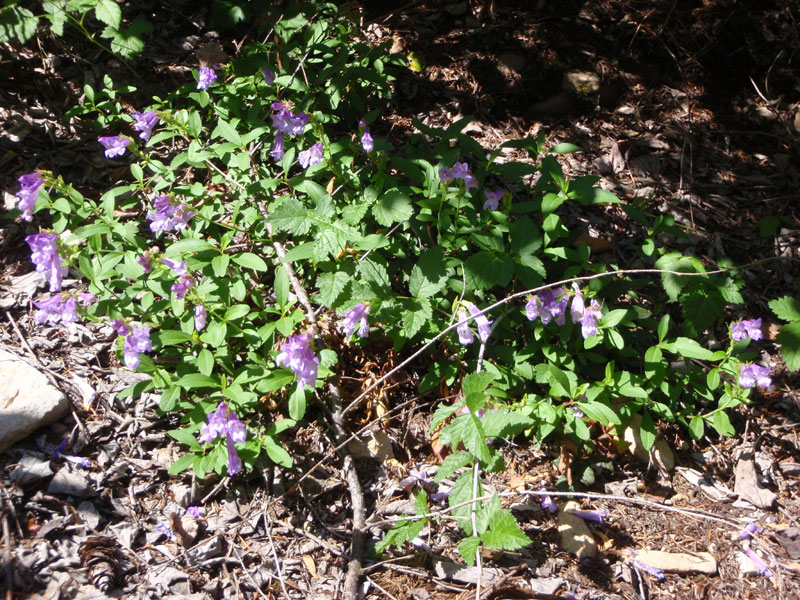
27	400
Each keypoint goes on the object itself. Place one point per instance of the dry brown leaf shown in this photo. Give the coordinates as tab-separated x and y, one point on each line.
211	55
310	565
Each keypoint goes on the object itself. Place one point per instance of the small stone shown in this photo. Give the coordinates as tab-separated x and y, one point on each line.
748	487
660	454
575	535
27	400
582	83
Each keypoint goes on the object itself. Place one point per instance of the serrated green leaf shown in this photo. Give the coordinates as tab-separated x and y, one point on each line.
442	412
504	533
392	206
488	269
462	491
290	215
477	382
504	423
451	464
675	261
330	286
429	275
17	22
55	12
376	276
468	549
108	12
467	430
789	339
786	308
701	308
127	43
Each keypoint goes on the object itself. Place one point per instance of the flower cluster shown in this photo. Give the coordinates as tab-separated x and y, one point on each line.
754	375
483	324
137	339
460	170
114	145
297	355
287	123
742	330
185	281
225	422
584	314
144	123
61	307
168	216
28	193
548	305
44	255
206	78
356	317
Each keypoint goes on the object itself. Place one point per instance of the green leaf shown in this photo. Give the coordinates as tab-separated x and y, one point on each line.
467	430
462	491
468	549
282	286
227	131
477	382
789	339
215	334
330	286
526	237
451	464
688	348
55	12
675	261
613	317
696	427
663	328
429	275
276	452
786	308
220	265
487	269
722	424
187	246
197	380
504	423
127	43
290	215
597	411
183	463
170	337
236	311
504	532
17	22
647	431
392	206
169	398
416	314
564	148
297	403
248	260
205	361
108	12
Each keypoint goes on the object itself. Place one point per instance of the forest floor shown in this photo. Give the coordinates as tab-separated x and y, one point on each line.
688	110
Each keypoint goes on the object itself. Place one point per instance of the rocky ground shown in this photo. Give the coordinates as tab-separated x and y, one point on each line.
686	111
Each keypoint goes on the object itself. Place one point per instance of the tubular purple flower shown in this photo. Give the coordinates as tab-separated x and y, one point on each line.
193	511
179	266
215	425
119	327
182	286
749	530
461	171
168	216
578	306
312	156
465	336
45	257
225	422
165	530
589	319
297	355
206	78
200	317
548	305
754	375
114	145
591	515
277	147
234	462
762	567
366	141
286	122
137	341
483	324
50	310
145	261
547	503
445	174
493	199
741	330
28	193
269	76
654	571
144	123
356	317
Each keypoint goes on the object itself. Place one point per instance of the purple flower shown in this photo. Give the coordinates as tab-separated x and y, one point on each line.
145	261
754	375
114	145
762	567
144	123
277	147
161	527
414	478
445	174
269	76
179	266
483	324
78	460
182	286
206	78
548	305
193	511
654	571
547	503
366	138
749	530
60	307
119	327
297	355
312	156
461	171
200	317
591	515
168	216
28	194
493	199
286	122
136	341
356	316
747	328
585	315
578	306
465	336
224	422
44	255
